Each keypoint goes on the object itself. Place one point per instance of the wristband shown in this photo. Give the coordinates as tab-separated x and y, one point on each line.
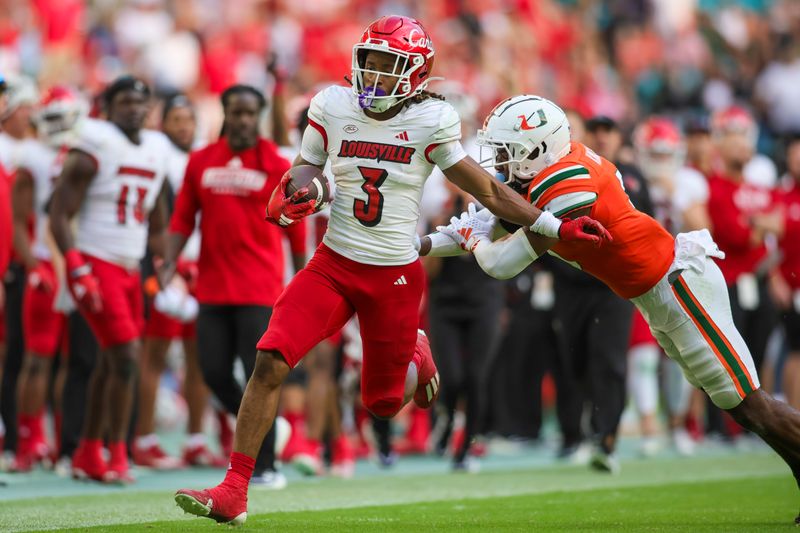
546	225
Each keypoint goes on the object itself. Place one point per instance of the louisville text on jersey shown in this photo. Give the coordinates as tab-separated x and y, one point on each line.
377	151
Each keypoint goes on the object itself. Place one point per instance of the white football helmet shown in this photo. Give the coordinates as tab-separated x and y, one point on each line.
526	134
60	111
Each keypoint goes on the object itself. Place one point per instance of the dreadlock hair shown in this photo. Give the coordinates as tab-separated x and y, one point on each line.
422	96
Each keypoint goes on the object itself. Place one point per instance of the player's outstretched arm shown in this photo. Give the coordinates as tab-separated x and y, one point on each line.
501	200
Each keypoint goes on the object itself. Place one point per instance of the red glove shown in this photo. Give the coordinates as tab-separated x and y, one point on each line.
583	229
188	271
285	211
82	283
42	278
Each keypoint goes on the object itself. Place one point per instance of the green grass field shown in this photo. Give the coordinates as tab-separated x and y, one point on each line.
720	490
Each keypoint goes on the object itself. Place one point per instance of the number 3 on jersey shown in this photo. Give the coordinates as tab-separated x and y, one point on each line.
369	213
138	207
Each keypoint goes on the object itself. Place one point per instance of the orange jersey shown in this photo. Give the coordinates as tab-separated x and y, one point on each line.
641	251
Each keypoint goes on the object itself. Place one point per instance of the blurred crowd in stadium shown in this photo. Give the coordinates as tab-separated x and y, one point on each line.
678	93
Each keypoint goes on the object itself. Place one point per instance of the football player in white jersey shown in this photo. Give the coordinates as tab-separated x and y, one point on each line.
680	197
383	138
38	164
112	182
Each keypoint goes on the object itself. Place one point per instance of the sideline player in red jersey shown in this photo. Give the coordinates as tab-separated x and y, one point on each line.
111	181
383	138
38	166
227	183
674	281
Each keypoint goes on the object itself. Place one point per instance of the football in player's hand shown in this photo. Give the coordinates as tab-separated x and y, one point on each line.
314	179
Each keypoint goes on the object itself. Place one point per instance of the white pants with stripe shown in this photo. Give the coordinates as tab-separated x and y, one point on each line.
689	314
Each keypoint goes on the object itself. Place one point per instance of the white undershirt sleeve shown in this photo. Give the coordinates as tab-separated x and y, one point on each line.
507	257
447	154
313	147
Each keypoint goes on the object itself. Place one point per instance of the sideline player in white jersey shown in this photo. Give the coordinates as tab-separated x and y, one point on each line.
38	164
112	181
680	197
673	281
383	138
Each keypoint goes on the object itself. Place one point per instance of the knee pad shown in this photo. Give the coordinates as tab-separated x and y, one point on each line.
384	407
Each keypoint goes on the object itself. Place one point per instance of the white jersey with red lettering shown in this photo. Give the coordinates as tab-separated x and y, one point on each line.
113	220
379	169
44	165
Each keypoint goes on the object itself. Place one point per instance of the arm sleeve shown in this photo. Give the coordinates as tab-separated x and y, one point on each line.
447	131
446	155
187	203
507	257
314	147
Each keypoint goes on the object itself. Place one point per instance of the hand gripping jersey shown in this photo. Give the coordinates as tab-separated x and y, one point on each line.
113	220
641	251
379	169
44	164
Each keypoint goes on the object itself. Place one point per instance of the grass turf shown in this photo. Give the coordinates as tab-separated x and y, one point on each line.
736	492
758	505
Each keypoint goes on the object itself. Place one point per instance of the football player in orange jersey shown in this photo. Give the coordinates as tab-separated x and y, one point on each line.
673	281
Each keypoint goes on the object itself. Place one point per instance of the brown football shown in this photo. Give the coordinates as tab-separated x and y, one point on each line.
312	177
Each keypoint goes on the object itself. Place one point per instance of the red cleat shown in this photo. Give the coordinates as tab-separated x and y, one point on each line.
155	457
428	376
343	459
202	456
220	504
88	464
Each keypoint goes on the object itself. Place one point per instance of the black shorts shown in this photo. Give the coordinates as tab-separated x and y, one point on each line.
791	323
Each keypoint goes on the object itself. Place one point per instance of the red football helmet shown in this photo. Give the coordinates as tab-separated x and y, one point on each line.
734	119
660	148
60	109
408	41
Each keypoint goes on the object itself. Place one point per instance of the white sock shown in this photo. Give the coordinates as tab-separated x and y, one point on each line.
147	441
643	378
677	390
196	440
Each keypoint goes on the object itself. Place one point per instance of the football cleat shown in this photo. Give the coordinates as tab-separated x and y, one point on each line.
86	465
428	376
343	459
218	504
155	457
202	456
269	480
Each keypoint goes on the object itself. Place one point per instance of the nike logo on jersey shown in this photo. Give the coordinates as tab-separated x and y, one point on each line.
377	151
401	280
524	122
403	136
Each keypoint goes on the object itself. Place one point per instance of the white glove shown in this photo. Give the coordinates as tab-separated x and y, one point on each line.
472	227
177	304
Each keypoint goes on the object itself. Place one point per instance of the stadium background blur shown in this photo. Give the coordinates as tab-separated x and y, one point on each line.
624	59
